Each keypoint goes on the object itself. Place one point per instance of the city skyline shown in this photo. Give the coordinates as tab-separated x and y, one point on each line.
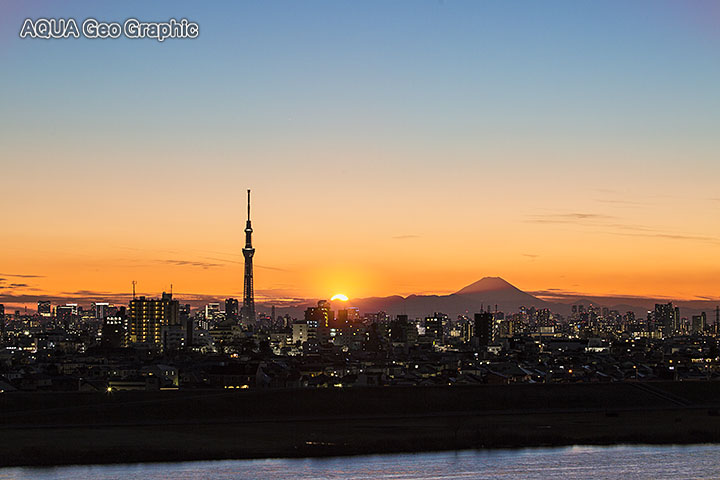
559	147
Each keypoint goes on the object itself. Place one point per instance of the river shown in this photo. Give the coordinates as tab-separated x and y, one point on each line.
579	462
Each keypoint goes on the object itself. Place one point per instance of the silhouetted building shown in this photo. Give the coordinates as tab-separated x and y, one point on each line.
186	320
341	320
44	308
232	309
484	328
173	337
64	314
321	314
667	317
699	323
434	326
403	331
323	318
114	332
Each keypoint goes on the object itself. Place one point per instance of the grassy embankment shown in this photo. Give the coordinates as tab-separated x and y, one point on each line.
71	428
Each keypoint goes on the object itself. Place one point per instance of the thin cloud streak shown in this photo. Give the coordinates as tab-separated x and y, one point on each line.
242	262
592	220
577	217
20	275
627	203
191	263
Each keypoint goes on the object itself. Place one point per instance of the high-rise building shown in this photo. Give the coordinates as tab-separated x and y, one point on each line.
321	316
64	314
303	332
147	316
114	332
667	317
232	309
2	318
212	311
341	319
467	331
248	308
44	308
699	323
403	331
187	321
484	328
434	326
102	310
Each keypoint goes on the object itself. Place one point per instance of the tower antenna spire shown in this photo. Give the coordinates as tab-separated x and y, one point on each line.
133	284
248	308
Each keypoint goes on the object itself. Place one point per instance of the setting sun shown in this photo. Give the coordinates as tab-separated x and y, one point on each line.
340	296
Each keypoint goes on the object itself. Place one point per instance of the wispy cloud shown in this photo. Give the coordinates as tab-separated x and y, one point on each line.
21	275
626	203
575	217
612	225
192	263
14	285
405	237
649	232
279	296
671	236
555	293
276	269
242	262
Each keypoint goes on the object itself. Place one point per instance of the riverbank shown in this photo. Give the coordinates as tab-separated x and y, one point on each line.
73	428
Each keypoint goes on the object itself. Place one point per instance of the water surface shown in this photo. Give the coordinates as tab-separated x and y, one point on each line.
579	462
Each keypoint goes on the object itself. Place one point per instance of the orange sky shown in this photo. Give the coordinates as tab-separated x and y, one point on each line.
354	247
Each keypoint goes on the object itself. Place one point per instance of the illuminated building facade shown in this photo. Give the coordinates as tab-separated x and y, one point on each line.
147	316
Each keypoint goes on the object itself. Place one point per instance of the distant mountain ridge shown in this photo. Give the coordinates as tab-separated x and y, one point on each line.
496	292
486	293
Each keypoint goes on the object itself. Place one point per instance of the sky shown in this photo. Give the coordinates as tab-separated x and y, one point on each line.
392	147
